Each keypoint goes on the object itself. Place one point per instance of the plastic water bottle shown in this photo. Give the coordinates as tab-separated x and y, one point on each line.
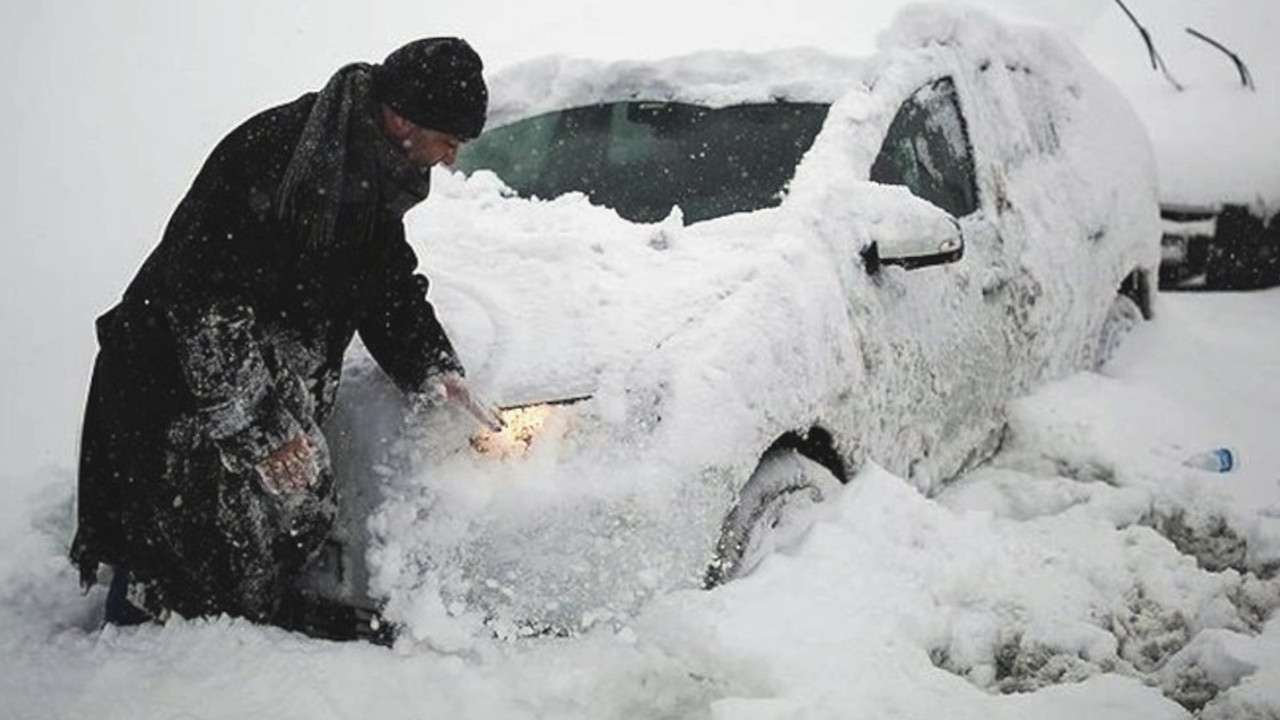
1219	459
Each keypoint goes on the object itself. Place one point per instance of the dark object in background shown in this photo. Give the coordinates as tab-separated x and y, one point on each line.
1229	247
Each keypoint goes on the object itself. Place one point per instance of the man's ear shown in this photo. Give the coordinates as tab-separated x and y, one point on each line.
396	126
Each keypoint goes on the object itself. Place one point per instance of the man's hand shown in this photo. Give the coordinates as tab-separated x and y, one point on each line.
292	467
452	387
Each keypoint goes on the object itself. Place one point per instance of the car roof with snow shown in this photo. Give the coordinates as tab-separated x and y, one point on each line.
711	78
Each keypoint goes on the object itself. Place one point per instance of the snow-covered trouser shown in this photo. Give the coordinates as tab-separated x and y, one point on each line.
157	500
226	544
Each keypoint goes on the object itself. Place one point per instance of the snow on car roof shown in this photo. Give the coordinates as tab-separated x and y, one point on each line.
713	78
719	78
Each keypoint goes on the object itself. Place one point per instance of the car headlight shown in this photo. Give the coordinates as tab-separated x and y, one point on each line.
521	425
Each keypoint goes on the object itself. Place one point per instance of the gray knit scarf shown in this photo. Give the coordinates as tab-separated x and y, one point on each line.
344	158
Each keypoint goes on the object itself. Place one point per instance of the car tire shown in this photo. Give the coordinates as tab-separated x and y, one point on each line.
776	507
1122	317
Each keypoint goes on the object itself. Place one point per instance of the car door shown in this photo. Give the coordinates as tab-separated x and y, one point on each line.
950	345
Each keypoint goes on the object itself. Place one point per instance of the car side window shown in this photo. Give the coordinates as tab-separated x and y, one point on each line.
927	149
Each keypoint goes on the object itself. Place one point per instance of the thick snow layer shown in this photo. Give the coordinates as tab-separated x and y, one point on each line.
714	79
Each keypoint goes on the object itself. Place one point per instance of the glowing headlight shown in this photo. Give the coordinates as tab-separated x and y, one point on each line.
520	427
521	424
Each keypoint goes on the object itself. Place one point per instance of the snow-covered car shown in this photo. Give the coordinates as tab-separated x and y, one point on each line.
1220	198
1212	129
709	290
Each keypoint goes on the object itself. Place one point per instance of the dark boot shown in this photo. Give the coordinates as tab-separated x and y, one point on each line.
329	619
124	603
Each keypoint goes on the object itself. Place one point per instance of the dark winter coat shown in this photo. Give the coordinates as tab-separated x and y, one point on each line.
230	340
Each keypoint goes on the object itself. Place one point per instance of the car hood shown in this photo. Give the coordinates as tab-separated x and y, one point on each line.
569	296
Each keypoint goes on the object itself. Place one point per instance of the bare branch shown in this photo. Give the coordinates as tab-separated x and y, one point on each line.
1246	78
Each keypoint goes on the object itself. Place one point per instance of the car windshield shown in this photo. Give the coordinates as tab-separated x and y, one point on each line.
643	158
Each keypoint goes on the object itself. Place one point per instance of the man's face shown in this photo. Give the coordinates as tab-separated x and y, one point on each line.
426	147
423	146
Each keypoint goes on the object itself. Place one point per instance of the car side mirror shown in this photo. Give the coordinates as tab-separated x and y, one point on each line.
911	232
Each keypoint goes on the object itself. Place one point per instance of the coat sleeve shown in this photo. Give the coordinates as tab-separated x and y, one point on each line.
400	327
200	279
238	404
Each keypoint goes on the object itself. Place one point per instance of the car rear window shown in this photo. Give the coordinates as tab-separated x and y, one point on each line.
643	158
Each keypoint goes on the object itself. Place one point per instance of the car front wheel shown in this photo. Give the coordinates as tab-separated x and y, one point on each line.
775	509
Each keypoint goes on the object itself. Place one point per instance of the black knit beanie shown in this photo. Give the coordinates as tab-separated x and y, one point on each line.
436	83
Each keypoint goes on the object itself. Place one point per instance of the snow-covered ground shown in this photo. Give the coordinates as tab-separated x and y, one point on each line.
1085	573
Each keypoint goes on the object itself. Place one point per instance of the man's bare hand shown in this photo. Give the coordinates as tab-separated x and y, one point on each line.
452	387
292	467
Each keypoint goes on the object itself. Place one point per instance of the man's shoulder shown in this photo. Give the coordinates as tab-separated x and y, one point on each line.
262	144
277	123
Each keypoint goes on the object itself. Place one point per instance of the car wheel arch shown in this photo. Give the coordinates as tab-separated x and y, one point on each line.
1139	287
815	443
1130	306
763	498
